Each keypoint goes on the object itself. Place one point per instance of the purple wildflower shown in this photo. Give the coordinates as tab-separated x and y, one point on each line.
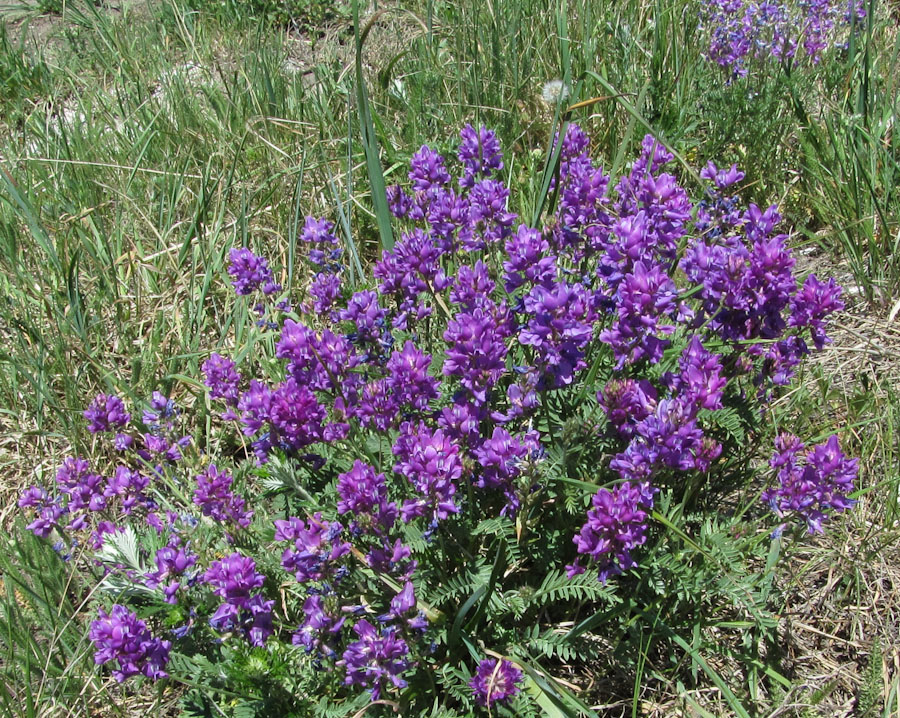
376	658
496	680
559	328
479	151
529	260
477	351
813	483
215	498
627	402
106	413
222	378
234	578
615	526
427	170
317	548
812	304
318	627
364	493
171	562
408	378
431	462
250	272
122	637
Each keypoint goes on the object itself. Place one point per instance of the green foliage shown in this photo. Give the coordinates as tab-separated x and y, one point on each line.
851	161
871	698
309	17
255	683
46	663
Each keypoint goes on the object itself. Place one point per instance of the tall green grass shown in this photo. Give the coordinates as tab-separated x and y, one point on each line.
851	160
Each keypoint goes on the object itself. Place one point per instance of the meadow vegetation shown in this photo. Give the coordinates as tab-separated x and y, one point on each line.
196	194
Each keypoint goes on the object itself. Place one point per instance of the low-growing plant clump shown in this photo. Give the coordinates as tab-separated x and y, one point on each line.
415	482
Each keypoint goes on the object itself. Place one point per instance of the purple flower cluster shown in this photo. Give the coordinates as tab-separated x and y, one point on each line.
363	493
122	637
316	550
450	393
479	153
741	30
250	272
222	379
376	658
172	562
106	413
615	525
216	499
235	579
810	483
431	462
496	680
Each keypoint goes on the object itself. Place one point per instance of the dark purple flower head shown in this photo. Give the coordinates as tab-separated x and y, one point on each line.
499	458
701	379
411	269
366	313
529	260
319	627
473	287
721	178
47	519
378	406
253	619
392	559
812	304
408	378
462	420
427	170
234	578
446	213
325	290
216	499
399	202
318	231
488	218
161	408
316	551
171	563
376	659
431	462
250	272
222	378
33	497
559	327
85	489
811	484
627	402
364	493
477	351
669	437
615	526
647	303
295	416
122	637
496	680
255	404
479	152
106	413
